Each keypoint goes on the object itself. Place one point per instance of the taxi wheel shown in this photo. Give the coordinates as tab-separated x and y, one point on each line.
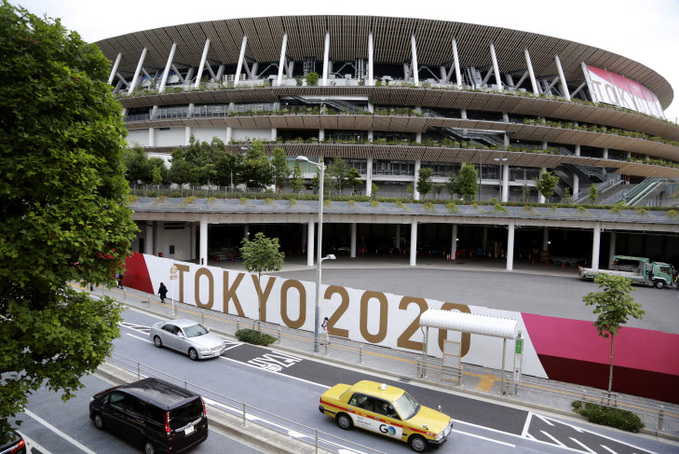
417	443
344	421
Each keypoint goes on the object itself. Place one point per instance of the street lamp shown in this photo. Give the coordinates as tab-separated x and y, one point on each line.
319	259
501	161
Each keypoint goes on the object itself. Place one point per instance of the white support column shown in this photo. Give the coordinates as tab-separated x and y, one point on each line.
605	155
531	73
453	243
310	243
114	70
203	58
321	135
148	238
458	73
416	76
187	135
168	66
541	198
326	58
416	194
369	177
241	59
578	148
203	242
496	67
371	74
229	134
413	243
140	65
152	137
611	250
562	78
596	245
505	183
545	239
352	252
576	184
510	245
281	61
274	134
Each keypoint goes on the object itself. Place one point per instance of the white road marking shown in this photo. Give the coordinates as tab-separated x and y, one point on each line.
140	338
485	438
60	433
584	446
526	425
30	443
544	419
548	435
274	372
608	449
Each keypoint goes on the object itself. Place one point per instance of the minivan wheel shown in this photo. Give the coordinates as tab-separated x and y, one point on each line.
193	354
149	448
157	342
98	421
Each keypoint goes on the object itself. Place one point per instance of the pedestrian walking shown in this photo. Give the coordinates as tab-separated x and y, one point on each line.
162	291
326	336
119	278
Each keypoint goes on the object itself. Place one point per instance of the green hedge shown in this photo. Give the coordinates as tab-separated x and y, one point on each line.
252	336
608	416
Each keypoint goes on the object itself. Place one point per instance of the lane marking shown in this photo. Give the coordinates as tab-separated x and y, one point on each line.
584	446
608	449
548	435
526	425
74	442
544	419
140	338
485	438
30	444
274	372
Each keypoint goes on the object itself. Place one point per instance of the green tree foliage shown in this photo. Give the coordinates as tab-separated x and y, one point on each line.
279	164
137	166
296	180
354	179
260	255
593	194
467	182
546	183
451	184
256	169
64	212
180	169
424	184
614	305
312	78
337	175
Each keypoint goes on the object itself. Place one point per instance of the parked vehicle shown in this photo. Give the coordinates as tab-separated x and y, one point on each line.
639	270
187	336
386	410
15	445
153	414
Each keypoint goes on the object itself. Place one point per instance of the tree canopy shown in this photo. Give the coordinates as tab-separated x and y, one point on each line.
64	212
424	183
467	182
546	183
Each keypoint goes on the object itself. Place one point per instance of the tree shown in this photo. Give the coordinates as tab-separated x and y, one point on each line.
260	255
279	164
593	194
545	184
373	193
615	305
354	179
256	169
312	78
337	175
296	180
424	184
64	212
137	166
451	184
467	182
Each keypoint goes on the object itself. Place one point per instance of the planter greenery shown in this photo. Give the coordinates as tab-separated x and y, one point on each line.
608	416
254	337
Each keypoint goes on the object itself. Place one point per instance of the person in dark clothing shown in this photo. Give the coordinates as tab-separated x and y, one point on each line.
162	291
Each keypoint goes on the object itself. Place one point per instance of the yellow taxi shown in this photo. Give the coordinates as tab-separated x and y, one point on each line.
386	410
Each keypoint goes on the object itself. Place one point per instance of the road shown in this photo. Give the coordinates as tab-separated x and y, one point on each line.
283	384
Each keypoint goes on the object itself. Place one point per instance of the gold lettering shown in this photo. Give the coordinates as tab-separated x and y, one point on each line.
287	285
182	269
383	320
405	339
344	305
263	297
230	294
211	289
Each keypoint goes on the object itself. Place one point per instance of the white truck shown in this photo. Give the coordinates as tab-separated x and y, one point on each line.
639	270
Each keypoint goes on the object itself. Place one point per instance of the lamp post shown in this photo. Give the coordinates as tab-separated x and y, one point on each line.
501	161
319	246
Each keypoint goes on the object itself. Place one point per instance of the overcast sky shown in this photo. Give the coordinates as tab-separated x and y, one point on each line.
644	30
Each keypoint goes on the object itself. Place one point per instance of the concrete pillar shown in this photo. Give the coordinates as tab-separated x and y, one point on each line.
562	78
596	245
114	70
326	58
510	245
241	59
611	250
321	135
453	243
576	184
505	183
458	73
187	135
281	62
274	134
140	65
203	59
352	253
148	239
310	243
413	243
152	137
371	75
203	242
605	155
531	73
416	76
369	177
545	239
229	134
416	194
541	198
496	67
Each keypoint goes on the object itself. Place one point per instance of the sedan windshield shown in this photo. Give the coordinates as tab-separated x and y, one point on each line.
195	331
406	406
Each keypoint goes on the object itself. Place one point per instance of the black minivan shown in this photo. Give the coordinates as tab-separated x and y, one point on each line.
155	414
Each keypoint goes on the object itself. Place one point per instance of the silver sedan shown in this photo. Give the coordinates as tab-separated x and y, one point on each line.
187	336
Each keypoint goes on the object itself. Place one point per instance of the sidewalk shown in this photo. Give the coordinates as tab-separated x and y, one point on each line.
532	394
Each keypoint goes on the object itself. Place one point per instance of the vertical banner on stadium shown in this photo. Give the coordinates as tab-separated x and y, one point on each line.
610	88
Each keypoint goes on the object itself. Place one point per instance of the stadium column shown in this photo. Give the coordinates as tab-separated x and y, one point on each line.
352	252
114	70
310	244
371	74
541	198
545	239
605	155
453	243
152	137
148	240
562	79
531	73
281	62
510	245
611	249
576	178
416	76
187	136
203	58
140	65
369	177
413	243
416	194
241	58
496	67
326	58
203	241
505	183
458	73
168	65
596	244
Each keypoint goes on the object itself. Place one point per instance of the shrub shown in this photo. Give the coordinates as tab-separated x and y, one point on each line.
608	416
255	337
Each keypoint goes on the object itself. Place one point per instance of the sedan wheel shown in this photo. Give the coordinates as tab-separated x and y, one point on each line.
193	354
157	342
149	448
98	421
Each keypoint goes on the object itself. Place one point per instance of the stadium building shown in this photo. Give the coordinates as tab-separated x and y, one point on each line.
395	95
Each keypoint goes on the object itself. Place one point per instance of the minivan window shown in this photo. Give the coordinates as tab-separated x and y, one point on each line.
117	400
186	414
